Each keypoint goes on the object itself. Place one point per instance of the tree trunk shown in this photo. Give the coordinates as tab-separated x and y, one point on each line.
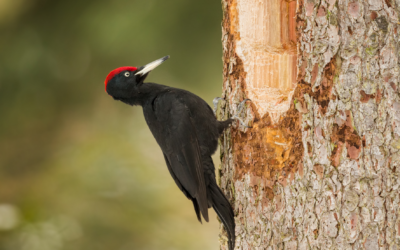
320	167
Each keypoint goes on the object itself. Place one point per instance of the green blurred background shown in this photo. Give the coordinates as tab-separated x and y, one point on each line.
79	170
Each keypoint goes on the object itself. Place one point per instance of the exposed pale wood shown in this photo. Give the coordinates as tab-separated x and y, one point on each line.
267	47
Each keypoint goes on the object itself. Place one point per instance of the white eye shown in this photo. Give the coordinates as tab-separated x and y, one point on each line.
127	74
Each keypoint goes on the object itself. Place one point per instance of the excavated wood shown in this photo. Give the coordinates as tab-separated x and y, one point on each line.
267	48
324	171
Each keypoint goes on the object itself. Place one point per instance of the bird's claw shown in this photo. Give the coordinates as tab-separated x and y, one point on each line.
241	105
215	102
240	108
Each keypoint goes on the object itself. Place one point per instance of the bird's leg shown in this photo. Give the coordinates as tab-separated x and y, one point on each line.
215	102
239	110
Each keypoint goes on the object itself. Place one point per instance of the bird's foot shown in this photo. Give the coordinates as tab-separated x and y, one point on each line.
215	102
239	111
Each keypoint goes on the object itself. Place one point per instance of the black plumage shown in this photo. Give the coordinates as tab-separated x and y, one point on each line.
187	131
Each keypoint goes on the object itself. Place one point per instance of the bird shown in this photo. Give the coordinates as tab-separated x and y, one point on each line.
187	131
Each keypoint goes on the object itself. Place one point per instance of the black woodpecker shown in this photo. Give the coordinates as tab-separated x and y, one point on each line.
187	132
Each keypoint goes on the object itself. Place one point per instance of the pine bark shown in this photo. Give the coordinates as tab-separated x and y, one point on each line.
320	167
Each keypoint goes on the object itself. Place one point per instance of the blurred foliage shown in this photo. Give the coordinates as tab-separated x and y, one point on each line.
79	170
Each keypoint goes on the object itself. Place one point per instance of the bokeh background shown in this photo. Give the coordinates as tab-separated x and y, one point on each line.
79	170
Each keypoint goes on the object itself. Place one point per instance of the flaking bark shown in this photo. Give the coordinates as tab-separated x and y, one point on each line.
323	174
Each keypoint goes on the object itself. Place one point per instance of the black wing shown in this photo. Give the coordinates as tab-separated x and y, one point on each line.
175	132
184	191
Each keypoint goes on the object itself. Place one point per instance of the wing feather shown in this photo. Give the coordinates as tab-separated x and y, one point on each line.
179	143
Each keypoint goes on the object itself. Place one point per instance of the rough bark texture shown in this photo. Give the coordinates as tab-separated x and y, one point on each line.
320	168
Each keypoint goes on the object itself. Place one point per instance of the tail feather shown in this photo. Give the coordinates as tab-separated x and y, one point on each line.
224	211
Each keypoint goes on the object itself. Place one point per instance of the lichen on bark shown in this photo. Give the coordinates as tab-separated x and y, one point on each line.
325	175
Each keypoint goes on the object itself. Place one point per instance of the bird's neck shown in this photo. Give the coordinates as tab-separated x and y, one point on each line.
144	93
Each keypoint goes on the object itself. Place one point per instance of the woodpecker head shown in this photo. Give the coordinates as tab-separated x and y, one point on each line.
123	82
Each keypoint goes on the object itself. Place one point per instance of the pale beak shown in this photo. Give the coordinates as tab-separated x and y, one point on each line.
149	67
